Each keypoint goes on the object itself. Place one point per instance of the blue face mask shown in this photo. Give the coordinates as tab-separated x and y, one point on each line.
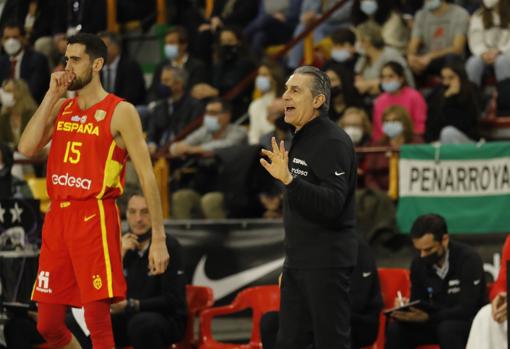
391	86
393	128
211	123
432	5
368	7
340	55
263	83
171	51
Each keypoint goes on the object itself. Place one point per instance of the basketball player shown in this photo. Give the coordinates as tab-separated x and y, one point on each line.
91	136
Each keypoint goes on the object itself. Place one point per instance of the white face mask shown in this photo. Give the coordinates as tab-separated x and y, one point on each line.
12	46
7	98
490	3
355	132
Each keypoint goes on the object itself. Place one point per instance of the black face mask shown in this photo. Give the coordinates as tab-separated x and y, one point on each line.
228	52
336	91
144	237
432	258
164	91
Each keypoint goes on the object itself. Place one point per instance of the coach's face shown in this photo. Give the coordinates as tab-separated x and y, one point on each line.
138	217
82	65
299	103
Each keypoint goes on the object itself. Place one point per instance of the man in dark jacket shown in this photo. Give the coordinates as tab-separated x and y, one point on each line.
319	173
20	62
122	75
366	304
448	279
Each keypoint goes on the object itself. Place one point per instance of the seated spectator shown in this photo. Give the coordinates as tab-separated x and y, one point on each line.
439	33
454	109
173	111
231	66
397	127
398	92
356	124
489	329
176	55
448	278
225	14
216	133
489	42
269	82
18	106
273	25
343	51
311	10
343	92
20	62
374	55
120	74
155	312
386	14
366	304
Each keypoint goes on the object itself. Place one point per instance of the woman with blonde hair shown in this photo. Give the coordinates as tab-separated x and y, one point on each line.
17	109
356	124
398	130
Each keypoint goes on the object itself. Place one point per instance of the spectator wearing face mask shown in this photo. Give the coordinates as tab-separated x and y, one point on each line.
177	55
173	111
398	130
385	13
454	109
356	124
448	277
232	64
489	41
398	92
269	82
439	35
343	51
343	93
20	62
17	109
215	133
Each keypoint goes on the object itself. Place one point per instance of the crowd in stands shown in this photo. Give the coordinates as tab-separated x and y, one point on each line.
401	72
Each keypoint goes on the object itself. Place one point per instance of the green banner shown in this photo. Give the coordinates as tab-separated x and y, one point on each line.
468	184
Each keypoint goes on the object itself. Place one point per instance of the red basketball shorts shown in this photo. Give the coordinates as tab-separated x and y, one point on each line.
80	259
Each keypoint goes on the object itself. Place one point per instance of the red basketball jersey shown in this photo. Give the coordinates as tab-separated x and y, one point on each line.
84	161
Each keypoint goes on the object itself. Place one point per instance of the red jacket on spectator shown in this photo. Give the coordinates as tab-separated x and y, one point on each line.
500	283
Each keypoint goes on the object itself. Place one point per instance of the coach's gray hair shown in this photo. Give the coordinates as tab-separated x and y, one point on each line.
178	73
320	86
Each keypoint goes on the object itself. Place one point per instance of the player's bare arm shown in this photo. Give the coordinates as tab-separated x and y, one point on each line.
127	131
40	127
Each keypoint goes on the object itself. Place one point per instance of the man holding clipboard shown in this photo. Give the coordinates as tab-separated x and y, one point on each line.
447	286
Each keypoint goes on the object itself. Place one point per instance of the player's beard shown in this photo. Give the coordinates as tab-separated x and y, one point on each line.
79	83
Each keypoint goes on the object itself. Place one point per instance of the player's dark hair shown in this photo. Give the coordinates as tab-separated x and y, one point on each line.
94	46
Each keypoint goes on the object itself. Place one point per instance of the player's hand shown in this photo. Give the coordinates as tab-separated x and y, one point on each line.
279	165
60	82
158	256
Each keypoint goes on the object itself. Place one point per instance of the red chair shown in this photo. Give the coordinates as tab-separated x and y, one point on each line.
198	299
391	280
261	299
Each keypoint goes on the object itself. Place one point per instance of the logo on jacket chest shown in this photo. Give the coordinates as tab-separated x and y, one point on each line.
297	171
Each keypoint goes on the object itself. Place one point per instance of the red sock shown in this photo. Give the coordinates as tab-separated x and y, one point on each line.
51	324
99	323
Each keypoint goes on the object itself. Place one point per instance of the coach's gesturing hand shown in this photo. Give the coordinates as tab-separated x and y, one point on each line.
279	165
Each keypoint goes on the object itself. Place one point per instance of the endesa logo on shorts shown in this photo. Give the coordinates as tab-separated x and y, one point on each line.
70	181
